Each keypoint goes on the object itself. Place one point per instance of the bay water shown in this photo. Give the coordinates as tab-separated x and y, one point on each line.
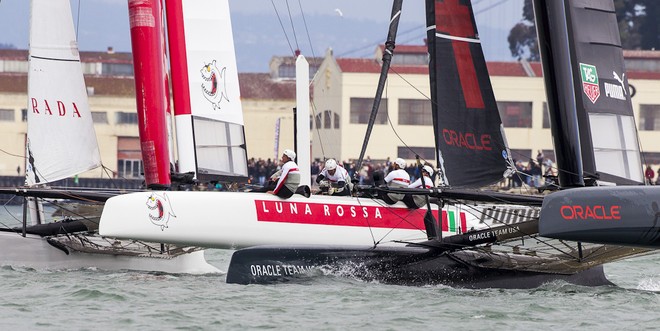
89	299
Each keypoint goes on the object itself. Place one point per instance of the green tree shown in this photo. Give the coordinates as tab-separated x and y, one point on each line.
523	43
637	20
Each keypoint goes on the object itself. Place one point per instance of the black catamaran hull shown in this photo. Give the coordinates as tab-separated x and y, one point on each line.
415	266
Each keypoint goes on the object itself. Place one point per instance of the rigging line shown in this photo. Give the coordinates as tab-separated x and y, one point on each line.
381	203
428	98
309	39
282	25
389	120
295	38
63	208
489	7
380	41
371	231
539	239
78	22
316	127
112	178
12	154
10	213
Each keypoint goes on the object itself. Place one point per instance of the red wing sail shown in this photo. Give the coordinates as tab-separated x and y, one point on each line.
466	122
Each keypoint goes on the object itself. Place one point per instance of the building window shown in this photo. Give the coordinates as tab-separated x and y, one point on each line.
126	118
651	157
7	115
546	116
24	115
336	121
425	153
318	121
129	158
415	112
361	111
515	114
327	119
649	117
100	117
117	69
410	59
286	71
129	169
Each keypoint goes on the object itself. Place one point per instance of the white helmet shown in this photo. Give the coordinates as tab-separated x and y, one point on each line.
428	169
289	153
400	162
330	164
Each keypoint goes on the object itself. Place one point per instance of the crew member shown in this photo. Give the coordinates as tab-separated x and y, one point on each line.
397	178
335	178
416	200
288	177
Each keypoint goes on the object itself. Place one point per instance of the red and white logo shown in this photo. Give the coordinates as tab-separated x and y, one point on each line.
160	210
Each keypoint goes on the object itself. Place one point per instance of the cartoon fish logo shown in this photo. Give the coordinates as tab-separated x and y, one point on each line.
160	210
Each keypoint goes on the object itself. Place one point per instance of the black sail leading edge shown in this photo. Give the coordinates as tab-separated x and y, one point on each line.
470	144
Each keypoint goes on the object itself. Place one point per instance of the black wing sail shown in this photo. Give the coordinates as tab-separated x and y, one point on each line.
608	136
584	66
470	142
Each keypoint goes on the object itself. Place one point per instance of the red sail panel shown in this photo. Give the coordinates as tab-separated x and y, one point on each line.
148	61
467	124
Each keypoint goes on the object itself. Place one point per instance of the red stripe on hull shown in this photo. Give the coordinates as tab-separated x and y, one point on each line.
340	214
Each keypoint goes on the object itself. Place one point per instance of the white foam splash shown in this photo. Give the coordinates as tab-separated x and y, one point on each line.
649	284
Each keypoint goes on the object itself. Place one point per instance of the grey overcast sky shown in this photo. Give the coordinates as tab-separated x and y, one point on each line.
352	28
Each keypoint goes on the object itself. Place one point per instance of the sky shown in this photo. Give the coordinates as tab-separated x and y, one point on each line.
352	28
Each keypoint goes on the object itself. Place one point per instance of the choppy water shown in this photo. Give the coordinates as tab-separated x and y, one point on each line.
101	300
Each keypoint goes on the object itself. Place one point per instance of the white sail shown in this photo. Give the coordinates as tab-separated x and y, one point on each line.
216	112
61	138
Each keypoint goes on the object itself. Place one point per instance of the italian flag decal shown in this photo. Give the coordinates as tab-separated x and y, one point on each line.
454	221
589	77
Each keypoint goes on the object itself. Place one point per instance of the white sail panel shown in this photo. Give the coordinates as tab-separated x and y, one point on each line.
615	145
212	70
61	137
215	104
220	148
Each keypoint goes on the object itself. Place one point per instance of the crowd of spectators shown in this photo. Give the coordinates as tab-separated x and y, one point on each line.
259	170
534	173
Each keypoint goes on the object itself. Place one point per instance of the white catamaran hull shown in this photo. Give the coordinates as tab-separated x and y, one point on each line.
34	251
238	219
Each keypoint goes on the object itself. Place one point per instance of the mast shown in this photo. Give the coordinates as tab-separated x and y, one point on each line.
556	53
387	58
148	60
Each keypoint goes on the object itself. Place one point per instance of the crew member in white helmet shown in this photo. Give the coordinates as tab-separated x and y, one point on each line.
335	178
288	177
417	201
397	178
